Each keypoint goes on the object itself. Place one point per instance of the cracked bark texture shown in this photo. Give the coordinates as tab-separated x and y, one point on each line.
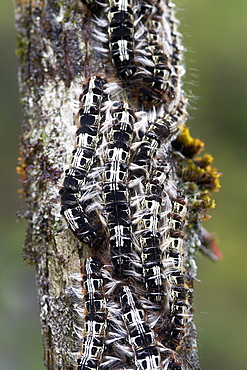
53	50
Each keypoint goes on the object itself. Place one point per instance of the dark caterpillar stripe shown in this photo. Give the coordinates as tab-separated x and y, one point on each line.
95	317
121	36
116	156
179	290
150	237
141	336
83	156
154	69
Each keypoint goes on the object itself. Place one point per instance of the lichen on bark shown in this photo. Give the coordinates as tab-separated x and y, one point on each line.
51	51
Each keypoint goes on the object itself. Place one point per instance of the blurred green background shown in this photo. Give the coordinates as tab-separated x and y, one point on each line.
215	36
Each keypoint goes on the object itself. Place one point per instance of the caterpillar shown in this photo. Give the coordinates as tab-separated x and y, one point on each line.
121	36
119	353
160	130
176	50
151	238
146	219
141	337
83	156
153	72
174	39
95	317
115	192
174	258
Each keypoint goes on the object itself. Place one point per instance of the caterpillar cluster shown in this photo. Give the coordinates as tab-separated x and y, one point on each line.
141	40
121	195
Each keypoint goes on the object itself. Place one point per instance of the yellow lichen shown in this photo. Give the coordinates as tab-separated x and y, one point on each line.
186	144
197	175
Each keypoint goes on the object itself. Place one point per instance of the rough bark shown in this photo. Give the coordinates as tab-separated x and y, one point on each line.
56	54
53	52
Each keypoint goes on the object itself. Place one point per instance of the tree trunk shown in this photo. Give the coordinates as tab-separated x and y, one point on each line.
56	54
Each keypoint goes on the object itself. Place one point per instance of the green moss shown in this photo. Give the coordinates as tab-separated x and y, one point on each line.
22	48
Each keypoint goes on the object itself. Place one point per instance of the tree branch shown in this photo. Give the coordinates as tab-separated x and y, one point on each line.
56	54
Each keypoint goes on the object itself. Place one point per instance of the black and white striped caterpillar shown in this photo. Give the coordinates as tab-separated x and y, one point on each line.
150	235
141	337
179	305
121	36
79	221
153	72
95	316
115	191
